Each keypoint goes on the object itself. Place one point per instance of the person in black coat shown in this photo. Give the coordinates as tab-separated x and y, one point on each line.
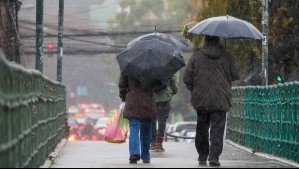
208	76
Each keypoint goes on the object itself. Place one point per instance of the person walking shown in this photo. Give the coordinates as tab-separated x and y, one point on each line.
140	109
208	76
163	98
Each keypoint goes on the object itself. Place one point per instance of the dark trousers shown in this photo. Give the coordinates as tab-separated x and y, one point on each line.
209	144
163	109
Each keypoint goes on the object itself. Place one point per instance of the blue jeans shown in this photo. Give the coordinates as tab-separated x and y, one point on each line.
144	127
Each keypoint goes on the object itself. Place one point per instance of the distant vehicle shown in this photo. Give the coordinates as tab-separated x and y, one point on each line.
182	129
81	130
93	111
74	112
99	128
191	133
180	126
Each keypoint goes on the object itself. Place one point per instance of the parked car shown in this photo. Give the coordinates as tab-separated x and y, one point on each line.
190	133
181	129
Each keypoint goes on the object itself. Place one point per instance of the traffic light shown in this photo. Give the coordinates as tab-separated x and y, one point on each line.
50	49
50	45
279	79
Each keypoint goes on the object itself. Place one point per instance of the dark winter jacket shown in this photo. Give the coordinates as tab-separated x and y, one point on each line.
208	76
140	103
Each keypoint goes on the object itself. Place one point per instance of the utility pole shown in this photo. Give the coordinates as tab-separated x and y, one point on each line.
60	41
39	35
265	49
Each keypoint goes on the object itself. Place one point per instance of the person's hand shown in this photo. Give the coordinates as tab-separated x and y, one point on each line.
122	95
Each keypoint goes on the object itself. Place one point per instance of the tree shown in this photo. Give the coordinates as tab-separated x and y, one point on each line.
284	34
10	42
144	15
283	37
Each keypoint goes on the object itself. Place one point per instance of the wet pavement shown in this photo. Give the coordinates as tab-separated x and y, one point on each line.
90	154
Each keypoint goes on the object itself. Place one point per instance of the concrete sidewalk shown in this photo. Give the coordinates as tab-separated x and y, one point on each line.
89	154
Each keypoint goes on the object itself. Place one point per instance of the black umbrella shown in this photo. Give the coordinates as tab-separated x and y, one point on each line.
227	27
162	37
150	61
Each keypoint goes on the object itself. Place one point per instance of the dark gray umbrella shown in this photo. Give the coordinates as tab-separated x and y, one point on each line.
150	61
227	27
163	37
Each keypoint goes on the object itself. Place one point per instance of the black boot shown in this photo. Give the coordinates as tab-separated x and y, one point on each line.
134	159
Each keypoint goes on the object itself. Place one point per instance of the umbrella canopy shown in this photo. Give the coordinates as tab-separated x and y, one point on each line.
150	61
227	27
162	37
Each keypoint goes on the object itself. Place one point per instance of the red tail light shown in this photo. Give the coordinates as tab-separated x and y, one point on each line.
76	126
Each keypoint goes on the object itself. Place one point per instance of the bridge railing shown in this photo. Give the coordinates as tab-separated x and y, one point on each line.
32	116
266	119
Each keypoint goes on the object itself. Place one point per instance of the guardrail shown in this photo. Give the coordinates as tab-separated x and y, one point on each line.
266	119
176	138
32	116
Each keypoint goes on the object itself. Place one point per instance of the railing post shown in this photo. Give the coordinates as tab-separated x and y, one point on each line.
60	42
265	50
39	35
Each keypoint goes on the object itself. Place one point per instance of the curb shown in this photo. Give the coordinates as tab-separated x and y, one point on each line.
48	163
270	157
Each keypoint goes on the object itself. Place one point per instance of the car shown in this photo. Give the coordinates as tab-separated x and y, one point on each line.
180	126
99	128
81	129
179	129
93	111
74	112
190	133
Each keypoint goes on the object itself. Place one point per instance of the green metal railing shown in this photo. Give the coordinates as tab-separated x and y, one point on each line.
266	119
32	116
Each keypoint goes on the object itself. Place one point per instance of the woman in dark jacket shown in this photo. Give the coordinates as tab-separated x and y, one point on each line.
140	109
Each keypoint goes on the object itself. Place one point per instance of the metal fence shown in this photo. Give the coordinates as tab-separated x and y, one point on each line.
32	116
266	119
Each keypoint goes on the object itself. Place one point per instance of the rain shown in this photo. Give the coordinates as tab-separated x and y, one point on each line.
77	101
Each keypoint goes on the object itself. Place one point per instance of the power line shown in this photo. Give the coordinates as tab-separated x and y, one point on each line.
74	52
80	40
88	31
99	43
93	35
110	34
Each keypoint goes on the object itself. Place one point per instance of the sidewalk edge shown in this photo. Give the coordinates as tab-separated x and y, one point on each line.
48	163
271	157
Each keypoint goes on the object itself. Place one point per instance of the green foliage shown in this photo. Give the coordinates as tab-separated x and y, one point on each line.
186	28
144	15
283	34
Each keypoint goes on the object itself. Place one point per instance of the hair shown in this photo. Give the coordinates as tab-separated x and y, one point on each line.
211	40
